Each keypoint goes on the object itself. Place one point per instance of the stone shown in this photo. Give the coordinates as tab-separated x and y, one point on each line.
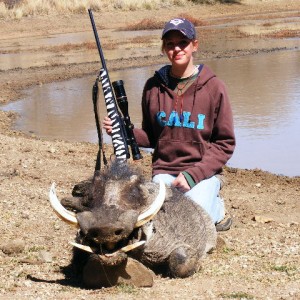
45	256
130	272
262	219
13	247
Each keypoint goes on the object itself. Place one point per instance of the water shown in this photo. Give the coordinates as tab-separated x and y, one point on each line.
264	91
18	52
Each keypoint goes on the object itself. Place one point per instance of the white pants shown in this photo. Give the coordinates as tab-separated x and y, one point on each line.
205	194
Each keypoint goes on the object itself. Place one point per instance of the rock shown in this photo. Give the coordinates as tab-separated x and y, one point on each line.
262	219
45	256
293	224
25	215
52	150
13	247
131	272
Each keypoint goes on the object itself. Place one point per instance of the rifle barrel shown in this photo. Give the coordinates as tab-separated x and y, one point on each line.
97	39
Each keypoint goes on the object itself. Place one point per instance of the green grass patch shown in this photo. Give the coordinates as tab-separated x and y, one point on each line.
236	295
126	288
35	249
289	270
227	250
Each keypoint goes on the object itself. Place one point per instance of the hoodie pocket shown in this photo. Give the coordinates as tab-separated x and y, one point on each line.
170	151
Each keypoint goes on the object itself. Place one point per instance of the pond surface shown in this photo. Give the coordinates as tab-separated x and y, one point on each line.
35	51
264	91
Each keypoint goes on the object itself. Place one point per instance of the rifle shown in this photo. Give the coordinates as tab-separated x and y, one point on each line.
122	133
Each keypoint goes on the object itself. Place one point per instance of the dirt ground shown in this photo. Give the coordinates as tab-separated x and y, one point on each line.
261	255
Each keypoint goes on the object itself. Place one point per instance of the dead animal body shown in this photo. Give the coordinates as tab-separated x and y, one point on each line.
129	227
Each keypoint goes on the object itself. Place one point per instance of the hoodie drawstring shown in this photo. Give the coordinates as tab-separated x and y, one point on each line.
180	89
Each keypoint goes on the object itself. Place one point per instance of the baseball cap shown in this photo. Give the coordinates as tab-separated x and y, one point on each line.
182	25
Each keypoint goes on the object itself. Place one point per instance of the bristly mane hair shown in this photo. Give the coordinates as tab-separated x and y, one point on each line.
121	171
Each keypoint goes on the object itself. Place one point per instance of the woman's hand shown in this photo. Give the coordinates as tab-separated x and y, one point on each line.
181	184
107	125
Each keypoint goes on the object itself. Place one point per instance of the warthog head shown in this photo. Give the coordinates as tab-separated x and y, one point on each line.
109	207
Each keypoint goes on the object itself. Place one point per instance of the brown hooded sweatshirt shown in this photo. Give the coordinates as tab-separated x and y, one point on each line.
197	138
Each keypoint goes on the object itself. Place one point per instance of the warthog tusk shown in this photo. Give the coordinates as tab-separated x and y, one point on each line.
130	247
154	208
82	247
124	249
63	213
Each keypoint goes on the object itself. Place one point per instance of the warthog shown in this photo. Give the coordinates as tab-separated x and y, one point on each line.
121	216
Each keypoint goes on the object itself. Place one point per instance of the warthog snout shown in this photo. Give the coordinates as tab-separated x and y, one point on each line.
109	225
102	233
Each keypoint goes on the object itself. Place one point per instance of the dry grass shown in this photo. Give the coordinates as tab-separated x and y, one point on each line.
145	24
267	24
150	24
21	8
69	47
142	39
284	34
89	45
193	20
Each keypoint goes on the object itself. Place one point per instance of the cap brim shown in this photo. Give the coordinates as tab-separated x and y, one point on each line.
176	29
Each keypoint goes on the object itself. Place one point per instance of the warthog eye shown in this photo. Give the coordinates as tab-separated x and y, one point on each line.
118	232
93	233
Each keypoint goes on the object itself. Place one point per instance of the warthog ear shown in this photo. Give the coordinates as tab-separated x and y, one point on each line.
145	191
96	176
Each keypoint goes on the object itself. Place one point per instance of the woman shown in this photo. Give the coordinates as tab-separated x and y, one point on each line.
187	119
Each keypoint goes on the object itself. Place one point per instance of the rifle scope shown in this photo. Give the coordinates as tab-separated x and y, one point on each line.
123	105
